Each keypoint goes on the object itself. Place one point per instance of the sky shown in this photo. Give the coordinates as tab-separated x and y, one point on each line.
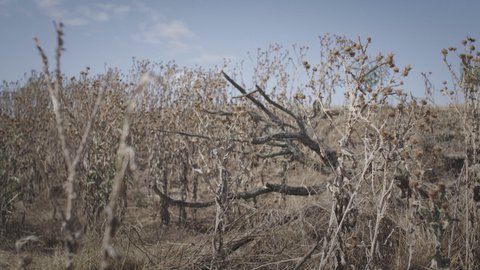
102	34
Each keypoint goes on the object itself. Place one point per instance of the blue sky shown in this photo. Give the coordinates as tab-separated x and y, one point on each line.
104	33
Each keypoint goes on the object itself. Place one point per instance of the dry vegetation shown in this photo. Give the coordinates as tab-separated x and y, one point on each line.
179	168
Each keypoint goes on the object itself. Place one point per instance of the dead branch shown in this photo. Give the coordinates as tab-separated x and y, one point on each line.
242	96
274	154
299	133
257	103
268	188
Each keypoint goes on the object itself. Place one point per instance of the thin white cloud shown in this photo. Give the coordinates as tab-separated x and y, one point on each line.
81	14
149	12
208	58
115	9
161	32
175	36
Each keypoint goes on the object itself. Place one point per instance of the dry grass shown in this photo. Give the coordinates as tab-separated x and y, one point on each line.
400	174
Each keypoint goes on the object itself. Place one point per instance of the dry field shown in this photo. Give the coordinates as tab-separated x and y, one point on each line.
179	168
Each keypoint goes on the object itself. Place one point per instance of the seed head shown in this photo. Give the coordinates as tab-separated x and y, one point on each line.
389	60
391	113
444	52
406	70
306	65
361	100
387	91
418	154
413	184
400	107
299	96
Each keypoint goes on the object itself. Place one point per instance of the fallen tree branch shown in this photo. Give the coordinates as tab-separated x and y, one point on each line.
268	188
275	154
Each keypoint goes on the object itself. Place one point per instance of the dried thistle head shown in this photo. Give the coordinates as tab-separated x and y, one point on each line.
400	107
391	113
437	190
389	60
414	184
418	154
384	133
404	155
444	52
306	65
406	70
361	100
387	91
299	96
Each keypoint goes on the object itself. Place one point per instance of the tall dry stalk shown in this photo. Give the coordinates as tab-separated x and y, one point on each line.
463	92
126	159
71	225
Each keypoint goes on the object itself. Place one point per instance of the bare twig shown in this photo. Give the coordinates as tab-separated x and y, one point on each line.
71	224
